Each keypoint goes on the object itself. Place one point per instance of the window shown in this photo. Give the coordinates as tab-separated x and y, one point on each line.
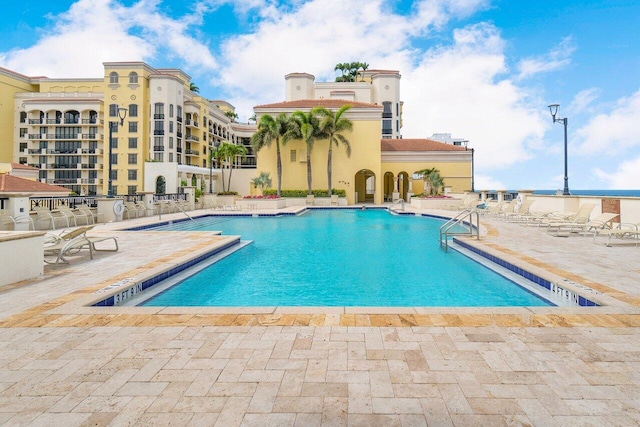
158	110
170	110
292	155
114	159
133	142
133	159
171	157
114	142
132	174
179	112
23	147
387	127
23	132
133	110
133	127
23	117
113	110
171	126
133	78
113	78
386	113
132	189
170	142
23	160
158	157
114	175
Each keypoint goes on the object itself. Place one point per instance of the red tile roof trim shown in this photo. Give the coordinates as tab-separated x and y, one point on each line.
417	145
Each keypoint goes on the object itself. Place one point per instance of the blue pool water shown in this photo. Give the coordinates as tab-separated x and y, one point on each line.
340	258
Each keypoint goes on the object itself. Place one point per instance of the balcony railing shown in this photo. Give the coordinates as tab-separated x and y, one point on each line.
90	151
158	116
158	132
53	121
192	152
35	121
89	121
179	134
88	165
179	119
179	149
34	151
192	138
90	136
71	121
158	148
53	202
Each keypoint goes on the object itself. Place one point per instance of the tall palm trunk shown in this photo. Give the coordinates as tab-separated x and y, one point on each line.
308	171
329	157
230	170
278	165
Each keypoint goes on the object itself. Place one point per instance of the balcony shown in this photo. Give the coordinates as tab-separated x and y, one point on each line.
89	121
179	149
179	134
179	119
158	132
191	123
192	152
71	121
35	165
62	166
158	148
158	116
53	121
192	138
34	151
35	121
63	181
91	181
90	136
88	165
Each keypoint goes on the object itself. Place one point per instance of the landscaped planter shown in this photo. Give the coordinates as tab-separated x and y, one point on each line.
435	203
262	203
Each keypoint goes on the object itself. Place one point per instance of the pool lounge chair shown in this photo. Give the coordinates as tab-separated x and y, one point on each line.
9	222
623	231
51	217
577	222
93	214
72	242
310	199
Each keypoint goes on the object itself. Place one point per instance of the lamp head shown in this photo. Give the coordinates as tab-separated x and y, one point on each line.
122	113
553	108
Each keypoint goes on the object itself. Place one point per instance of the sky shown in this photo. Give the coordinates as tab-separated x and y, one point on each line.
482	70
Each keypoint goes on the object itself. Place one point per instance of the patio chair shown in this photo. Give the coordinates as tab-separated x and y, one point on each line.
310	200
130	209
602	222
51	217
624	230
72	242
521	213
577	221
142	209
75	214
334	200
91	213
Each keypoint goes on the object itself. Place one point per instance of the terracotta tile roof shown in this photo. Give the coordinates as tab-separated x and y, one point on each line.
14	184
417	145
23	167
326	103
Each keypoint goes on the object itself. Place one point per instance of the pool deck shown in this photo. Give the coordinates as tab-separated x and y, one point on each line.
62	363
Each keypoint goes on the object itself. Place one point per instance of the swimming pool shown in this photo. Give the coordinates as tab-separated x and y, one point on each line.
339	258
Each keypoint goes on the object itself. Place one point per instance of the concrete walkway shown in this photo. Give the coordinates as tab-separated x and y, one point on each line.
62	363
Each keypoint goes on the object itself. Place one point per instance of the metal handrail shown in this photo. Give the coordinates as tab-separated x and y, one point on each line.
473	230
401	201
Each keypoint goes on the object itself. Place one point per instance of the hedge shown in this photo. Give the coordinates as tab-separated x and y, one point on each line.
303	193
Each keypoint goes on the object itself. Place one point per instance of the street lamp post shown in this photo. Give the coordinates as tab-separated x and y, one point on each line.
122	113
553	108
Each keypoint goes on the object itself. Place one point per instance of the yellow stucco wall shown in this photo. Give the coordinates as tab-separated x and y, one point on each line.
456	175
365	154
9	86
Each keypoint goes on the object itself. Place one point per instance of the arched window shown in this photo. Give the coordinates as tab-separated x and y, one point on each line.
71	117
113	78
161	185
133	78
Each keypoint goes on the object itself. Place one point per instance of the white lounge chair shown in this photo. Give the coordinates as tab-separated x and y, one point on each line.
310	200
51	217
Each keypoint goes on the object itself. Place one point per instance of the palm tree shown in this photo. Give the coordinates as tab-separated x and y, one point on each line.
263	181
332	125
364	67
193	88
433	179
218	154
232	115
271	129
308	129
230	153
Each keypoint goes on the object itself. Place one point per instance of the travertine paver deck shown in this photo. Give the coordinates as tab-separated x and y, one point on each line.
62	364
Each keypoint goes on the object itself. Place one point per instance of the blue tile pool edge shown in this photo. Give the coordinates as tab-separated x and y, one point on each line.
534	278
121	293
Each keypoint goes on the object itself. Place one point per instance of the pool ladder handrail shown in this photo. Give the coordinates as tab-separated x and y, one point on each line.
472	230
175	205
401	201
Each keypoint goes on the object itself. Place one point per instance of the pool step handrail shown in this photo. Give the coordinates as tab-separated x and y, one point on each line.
460	219
401	201
175	205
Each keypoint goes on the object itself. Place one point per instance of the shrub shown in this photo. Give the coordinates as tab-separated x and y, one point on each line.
228	193
303	193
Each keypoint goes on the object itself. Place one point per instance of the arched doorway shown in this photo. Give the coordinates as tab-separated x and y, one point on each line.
365	186
403	185
161	185
388	187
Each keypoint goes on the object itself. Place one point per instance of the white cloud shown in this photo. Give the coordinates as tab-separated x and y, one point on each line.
559	57
614	132
95	31
457	89
486	182
626	177
583	100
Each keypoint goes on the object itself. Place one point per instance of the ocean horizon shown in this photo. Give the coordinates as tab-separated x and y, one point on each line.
607	193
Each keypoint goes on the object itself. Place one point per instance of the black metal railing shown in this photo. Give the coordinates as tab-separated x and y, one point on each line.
54	202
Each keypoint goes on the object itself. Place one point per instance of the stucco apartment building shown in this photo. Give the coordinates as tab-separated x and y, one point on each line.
62	127
382	164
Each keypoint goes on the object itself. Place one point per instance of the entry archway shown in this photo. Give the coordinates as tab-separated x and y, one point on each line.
365	186
403	185
387	187
161	185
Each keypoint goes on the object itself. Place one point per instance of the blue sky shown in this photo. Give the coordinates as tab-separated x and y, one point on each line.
482	70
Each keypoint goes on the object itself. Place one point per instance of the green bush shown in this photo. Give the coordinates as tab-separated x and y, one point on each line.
303	193
227	193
